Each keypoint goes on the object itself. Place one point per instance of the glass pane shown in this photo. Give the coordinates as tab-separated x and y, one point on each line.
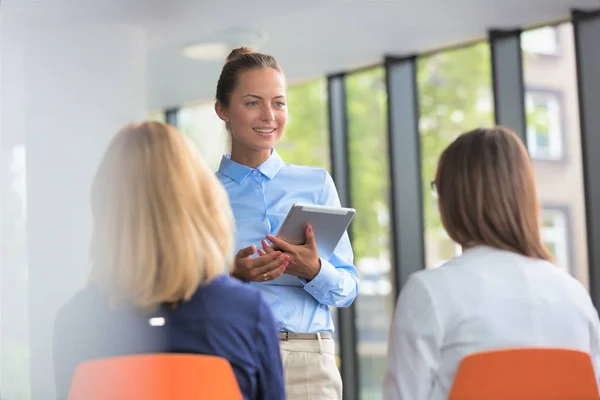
306	139
200	122
542	140
555	83
370	186
542	41
455	94
14	350
157	115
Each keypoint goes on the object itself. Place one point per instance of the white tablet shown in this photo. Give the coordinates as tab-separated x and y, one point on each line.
329	224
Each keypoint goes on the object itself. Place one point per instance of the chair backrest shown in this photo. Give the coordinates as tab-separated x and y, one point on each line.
154	377
528	373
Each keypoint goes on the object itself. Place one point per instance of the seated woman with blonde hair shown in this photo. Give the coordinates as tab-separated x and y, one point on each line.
162	244
502	292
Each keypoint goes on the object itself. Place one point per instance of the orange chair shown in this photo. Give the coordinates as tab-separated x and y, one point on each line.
526	374
155	377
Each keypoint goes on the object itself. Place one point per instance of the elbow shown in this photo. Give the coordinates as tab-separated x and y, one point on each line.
347	300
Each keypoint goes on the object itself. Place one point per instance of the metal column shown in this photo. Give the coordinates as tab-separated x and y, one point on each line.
338	128
507	76
408	243
586	27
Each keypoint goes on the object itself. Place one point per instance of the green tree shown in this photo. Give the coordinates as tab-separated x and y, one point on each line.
455	96
369	163
306	139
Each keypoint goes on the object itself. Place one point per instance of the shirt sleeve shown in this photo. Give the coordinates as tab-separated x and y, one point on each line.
415	340
271	384
336	284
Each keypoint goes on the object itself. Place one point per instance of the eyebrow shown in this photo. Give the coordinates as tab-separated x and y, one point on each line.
260	98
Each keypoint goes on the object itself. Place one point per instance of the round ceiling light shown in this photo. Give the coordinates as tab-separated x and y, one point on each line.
218	46
210	51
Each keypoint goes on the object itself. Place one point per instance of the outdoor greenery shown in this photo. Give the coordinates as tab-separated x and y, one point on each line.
454	96
306	139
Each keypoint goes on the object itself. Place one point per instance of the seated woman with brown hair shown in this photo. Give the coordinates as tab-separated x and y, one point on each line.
502	292
162	244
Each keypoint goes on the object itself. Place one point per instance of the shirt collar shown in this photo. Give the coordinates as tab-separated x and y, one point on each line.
238	172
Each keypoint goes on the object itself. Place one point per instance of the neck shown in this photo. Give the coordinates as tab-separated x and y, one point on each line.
469	246
249	158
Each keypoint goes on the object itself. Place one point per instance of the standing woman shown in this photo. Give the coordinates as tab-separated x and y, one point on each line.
297	284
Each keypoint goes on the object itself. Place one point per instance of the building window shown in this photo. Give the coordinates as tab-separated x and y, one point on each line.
554	235
544	125
541	41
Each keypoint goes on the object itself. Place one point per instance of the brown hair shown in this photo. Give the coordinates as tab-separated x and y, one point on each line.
487	193
162	224
240	60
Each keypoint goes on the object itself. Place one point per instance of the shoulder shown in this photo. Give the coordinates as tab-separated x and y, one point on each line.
317	176
73	316
81	302
224	179
574	289
305	170
418	285
230	293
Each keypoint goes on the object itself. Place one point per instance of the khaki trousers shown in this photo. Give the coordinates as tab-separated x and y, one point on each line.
310	370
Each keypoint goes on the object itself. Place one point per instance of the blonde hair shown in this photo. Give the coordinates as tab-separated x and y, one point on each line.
487	193
162	221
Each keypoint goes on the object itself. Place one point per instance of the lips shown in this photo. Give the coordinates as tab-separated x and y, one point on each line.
265	132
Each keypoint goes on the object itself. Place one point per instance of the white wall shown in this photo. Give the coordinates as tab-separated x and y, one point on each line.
67	87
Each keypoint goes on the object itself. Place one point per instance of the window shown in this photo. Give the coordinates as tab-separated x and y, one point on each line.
201	124
306	138
156	115
455	96
14	353
370	192
541	41
544	125
554	235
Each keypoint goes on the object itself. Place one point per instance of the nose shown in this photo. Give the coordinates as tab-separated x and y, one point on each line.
267	113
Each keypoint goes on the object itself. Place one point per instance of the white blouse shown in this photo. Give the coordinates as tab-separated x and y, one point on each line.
484	299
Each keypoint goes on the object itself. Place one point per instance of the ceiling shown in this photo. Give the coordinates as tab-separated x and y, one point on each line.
309	38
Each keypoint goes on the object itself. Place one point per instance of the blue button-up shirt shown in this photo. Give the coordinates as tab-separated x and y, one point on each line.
261	198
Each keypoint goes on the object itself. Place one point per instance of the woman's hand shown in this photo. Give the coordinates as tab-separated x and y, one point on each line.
264	268
304	260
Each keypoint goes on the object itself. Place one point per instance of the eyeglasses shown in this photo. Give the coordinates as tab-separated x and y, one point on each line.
434	191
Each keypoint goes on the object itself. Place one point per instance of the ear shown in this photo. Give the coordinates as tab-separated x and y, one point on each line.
221	111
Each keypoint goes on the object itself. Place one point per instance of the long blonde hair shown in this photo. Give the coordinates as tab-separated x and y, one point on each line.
162	221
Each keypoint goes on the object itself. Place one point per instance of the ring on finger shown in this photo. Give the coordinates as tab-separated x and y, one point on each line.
265	277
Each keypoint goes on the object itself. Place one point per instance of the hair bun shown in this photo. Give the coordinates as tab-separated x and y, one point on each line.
239	51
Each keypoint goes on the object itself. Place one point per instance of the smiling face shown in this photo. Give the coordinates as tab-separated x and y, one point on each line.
257	112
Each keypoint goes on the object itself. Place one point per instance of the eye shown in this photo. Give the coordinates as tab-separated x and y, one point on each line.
280	104
252	103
